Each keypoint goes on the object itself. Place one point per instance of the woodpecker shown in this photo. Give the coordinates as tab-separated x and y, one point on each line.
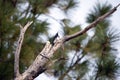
54	38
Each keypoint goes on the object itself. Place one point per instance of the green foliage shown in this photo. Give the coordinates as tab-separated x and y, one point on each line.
100	41
81	69
107	68
12	14
97	11
67	4
41	6
10	18
77	42
101	45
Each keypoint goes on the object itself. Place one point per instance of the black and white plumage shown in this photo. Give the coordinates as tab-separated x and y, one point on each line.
54	39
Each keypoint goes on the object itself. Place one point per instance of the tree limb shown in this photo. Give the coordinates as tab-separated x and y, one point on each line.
18	49
93	24
70	68
49	50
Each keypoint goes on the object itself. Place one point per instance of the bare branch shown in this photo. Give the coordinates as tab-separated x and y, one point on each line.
93	24
18	49
49	50
75	54
70	68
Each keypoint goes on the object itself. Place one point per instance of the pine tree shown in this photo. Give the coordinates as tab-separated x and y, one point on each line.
14	13
106	65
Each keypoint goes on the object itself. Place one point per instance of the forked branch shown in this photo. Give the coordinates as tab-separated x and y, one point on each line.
49	50
18	48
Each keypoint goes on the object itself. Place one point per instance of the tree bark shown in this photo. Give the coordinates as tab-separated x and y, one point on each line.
36	67
18	49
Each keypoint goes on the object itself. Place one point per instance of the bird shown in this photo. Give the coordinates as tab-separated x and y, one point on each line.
54	38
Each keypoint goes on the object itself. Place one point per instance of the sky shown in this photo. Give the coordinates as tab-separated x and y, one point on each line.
78	16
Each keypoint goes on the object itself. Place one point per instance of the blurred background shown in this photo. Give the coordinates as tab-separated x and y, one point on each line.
93	56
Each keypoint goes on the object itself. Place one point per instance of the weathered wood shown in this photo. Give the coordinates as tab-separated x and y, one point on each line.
18	48
49	50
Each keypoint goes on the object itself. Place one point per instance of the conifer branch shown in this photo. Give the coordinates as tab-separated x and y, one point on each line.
93	24
49	50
